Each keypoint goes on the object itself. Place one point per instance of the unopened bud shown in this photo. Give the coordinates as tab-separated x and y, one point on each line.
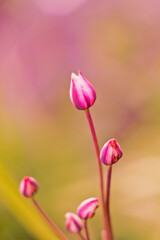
111	152
73	222
87	208
28	187
82	93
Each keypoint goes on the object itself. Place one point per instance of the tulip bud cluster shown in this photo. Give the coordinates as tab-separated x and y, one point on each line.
83	96
84	211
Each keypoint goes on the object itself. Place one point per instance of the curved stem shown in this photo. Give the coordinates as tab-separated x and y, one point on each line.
96	146
81	236
49	221
108	185
86	230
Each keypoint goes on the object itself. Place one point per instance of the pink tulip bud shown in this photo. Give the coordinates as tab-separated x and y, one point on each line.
111	152
82	93
28	187
87	208
73	222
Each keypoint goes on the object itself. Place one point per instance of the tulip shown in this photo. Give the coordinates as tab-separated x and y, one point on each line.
28	187
82	93
73	222
111	152
87	208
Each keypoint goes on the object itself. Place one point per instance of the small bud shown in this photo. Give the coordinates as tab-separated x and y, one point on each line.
82	93
28	187
73	222
87	208
111	152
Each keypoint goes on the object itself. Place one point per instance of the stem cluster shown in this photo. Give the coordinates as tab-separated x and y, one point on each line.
107	232
107	228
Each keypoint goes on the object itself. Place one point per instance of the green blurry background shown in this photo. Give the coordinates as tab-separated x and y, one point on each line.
116	45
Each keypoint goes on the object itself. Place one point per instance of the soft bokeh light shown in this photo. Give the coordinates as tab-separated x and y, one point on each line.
59	7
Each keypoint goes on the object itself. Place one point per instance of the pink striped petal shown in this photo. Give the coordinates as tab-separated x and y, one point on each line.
73	222
87	208
82	93
28	187
111	152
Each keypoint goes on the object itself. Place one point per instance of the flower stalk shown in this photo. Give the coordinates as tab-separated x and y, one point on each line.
86	230
81	236
107	201
96	146
49	221
109	155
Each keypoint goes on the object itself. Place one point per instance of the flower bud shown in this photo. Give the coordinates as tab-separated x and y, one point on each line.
82	93
87	208
111	152
28	187
73	222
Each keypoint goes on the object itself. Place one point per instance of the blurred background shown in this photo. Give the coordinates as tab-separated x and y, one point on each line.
116	45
